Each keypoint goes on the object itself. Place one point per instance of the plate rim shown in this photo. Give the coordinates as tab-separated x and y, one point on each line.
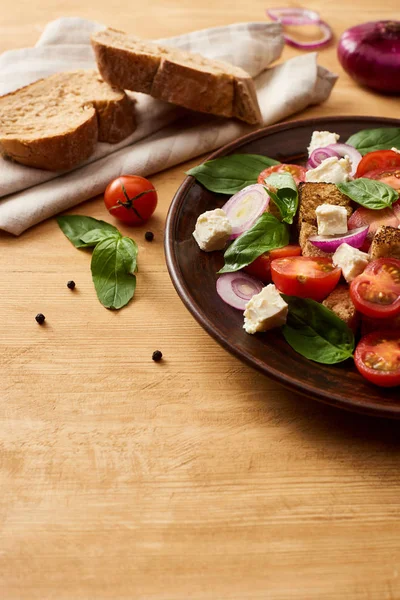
184	293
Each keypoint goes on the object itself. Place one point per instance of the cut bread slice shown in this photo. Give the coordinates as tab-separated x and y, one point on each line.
176	76
55	122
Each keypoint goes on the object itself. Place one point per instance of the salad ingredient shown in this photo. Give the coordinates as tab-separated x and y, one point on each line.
368	140
236	289
386	242
330	170
376	292
307	248
156	356
266	234
149	236
354	238
113	271
230	174
350	260
305	277
369	193
316	332
131	199
377	358
331	219
261	267
338	150
283	191
245	207
76	226
374	219
301	16
296	171
265	310
379	160
312	195
340	303
40	318
391	177
321	139
370	54
71	285
212	230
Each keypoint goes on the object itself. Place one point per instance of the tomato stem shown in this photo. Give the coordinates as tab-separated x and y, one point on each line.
128	204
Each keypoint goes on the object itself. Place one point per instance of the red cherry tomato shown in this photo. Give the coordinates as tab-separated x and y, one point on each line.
390	177
374	218
298	173
377	357
305	276
131	199
376	292
380	160
261	267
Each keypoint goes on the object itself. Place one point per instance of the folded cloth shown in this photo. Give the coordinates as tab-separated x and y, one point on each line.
166	135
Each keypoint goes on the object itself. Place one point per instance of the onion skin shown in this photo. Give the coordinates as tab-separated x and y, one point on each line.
370	54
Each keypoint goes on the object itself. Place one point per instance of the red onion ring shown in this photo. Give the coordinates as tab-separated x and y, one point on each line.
301	16
320	154
339	150
355	238
237	289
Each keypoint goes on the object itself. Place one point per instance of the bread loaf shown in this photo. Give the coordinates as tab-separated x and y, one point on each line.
55	122
175	76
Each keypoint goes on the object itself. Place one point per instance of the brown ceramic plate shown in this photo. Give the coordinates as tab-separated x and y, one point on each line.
194	275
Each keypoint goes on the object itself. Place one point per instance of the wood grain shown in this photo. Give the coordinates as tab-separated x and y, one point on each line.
192	478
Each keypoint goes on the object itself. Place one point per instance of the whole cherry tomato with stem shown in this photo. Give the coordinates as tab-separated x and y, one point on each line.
131	199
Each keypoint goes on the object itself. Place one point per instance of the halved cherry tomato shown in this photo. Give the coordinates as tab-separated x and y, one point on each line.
261	267
376	292
379	160
298	173
390	177
377	357
374	218
131	199
305	276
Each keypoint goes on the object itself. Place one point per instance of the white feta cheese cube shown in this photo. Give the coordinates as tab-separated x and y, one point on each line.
395	150
320	139
331	170
265	310
331	219
212	230
351	260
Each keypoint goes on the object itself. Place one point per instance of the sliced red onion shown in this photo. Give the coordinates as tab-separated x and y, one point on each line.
293	15
330	243
339	150
320	154
245	207
236	289
326	38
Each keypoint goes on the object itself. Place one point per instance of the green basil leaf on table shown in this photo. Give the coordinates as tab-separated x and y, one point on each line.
94	236
316	332
76	226
230	174
266	234
284	194
113	266
369	193
369	140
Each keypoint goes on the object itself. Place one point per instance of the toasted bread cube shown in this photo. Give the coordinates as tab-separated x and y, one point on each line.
307	248
340	303
312	195
386	243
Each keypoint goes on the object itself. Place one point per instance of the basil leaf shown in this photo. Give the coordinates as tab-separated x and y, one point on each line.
230	174
284	194
369	193
369	140
75	226
93	237
113	265
266	234
316	332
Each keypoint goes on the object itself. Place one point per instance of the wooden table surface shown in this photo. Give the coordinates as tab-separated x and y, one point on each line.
196	477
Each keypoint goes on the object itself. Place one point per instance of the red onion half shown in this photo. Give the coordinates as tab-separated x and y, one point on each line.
245	207
236	289
301	16
370	54
339	150
355	238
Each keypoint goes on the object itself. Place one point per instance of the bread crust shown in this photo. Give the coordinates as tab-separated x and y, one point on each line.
182	78
81	109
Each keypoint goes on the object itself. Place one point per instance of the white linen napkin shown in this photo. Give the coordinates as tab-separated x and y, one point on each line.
165	135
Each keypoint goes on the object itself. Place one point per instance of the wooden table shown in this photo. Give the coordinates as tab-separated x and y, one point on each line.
196	477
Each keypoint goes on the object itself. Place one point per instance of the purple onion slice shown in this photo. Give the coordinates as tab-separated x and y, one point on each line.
330	243
236	289
245	207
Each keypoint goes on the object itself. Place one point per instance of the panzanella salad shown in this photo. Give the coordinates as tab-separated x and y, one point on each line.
314	250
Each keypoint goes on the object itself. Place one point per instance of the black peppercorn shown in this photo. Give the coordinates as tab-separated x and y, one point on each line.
157	355
149	236
71	285
40	318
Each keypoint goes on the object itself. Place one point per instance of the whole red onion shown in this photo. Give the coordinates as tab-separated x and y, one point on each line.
370	54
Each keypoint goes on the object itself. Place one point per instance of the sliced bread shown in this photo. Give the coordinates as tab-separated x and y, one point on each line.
55	122
176	76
